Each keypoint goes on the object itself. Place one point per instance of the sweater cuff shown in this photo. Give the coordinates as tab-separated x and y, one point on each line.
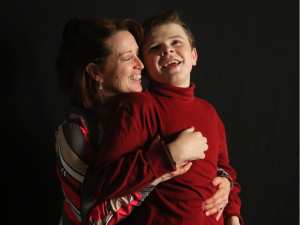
222	173
233	209
159	158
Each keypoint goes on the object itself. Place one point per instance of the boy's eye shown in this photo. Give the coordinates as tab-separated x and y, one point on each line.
153	48
176	42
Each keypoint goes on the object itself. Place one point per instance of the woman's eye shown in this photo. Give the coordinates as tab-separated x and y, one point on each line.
127	58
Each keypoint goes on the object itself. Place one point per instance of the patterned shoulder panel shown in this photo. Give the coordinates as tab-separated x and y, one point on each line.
68	157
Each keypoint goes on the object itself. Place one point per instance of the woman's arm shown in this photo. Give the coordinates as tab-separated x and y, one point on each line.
122	167
113	210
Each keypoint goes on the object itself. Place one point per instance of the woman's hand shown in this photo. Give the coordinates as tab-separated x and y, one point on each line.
189	145
219	200
180	169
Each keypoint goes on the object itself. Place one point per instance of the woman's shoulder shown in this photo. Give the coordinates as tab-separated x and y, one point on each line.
137	99
76	129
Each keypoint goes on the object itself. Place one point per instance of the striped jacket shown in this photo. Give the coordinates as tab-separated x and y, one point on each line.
76	139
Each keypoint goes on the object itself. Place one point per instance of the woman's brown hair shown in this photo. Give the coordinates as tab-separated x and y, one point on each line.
84	42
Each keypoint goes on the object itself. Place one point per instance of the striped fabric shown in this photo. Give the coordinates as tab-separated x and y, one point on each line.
115	210
74	150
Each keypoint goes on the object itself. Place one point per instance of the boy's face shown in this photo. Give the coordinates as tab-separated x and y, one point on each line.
168	55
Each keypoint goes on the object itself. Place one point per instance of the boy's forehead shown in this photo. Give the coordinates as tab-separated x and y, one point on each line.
167	30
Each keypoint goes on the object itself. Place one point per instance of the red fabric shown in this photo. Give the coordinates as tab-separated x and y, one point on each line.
70	193
122	169
66	178
70	214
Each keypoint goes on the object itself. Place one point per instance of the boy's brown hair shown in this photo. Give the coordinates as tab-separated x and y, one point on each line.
165	17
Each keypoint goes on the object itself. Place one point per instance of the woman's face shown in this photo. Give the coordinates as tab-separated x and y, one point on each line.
122	71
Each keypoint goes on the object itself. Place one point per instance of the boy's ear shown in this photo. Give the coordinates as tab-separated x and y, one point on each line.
194	56
94	72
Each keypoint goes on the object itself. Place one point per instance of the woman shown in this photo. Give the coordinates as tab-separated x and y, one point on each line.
98	60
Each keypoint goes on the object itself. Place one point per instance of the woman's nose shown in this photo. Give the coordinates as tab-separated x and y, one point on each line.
139	63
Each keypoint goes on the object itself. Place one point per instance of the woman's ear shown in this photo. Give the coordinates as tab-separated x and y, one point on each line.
93	70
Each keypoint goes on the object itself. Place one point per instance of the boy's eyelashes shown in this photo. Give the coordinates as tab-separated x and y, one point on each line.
153	48
157	47
176	42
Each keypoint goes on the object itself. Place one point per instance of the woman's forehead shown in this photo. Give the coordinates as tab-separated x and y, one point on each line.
122	41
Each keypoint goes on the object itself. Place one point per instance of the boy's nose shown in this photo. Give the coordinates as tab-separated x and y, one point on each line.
166	50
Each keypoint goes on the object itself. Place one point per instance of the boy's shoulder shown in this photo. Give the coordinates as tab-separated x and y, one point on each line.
204	103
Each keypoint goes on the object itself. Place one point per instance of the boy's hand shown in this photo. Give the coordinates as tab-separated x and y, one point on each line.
189	145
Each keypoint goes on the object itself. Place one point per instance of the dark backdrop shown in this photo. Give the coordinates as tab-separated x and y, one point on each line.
248	69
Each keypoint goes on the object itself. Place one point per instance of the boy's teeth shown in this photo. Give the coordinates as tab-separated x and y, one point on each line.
171	62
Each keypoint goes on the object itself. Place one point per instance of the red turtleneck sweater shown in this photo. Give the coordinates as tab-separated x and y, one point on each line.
121	168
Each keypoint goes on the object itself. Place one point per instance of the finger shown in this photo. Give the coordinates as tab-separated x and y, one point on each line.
219	195
187	166
218	180
179	165
214	207
215	203
201	156
189	130
166	177
182	167
215	210
217	198
199	134
223	188
205	147
211	211
219	214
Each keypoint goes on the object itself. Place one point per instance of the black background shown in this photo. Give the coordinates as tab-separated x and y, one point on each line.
248	69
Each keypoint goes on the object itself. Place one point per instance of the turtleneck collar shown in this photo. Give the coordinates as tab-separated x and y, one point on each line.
170	91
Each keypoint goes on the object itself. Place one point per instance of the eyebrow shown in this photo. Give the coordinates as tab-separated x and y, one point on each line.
176	36
127	52
124	53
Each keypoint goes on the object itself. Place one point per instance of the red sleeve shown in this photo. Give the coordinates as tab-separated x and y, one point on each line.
234	202
121	166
